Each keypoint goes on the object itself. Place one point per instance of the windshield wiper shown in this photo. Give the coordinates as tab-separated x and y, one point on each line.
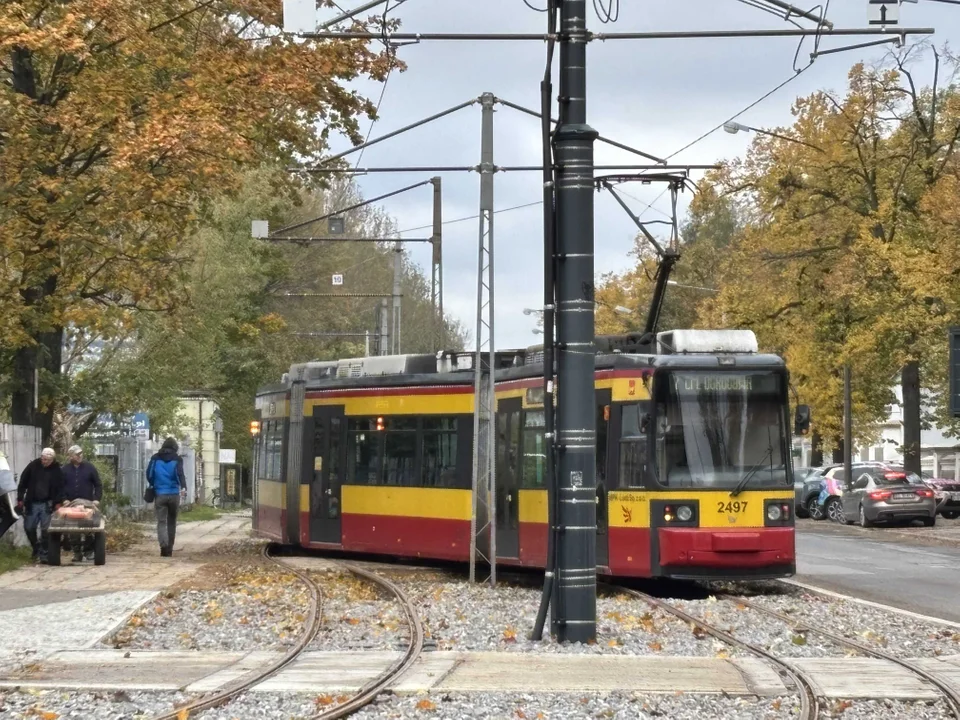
746	478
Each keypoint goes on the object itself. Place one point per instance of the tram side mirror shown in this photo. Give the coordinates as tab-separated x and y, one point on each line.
644	423
801	420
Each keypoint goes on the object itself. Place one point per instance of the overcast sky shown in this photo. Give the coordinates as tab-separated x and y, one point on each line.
653	95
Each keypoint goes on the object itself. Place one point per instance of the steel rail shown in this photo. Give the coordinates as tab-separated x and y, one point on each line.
809	702
369	692
232	690
953	697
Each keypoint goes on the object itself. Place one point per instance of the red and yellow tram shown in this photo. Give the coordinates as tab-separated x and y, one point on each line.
694	479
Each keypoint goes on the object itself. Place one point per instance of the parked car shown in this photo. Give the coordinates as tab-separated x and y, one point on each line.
828	503
806	488
887	494
947	494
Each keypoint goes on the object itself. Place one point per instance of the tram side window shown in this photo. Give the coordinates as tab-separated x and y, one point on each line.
276	450
364	459
262	451
534	450
633	446
439	464
400	450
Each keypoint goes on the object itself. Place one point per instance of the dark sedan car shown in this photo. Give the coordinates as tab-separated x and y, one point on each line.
806	487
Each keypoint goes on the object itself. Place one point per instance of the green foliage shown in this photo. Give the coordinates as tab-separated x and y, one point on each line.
12	558
196	513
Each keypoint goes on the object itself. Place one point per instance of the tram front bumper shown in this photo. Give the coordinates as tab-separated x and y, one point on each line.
753	550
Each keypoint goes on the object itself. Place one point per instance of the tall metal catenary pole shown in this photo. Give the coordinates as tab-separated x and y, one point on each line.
436	287
576	414
395	311
483	521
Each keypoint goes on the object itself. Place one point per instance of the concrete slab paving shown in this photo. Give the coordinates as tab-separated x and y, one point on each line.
858	678
347	672
519	672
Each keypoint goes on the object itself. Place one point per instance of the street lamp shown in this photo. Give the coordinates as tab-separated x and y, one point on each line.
734	127
532	311
691	287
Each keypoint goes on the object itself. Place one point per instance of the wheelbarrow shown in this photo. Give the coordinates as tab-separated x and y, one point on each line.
75	518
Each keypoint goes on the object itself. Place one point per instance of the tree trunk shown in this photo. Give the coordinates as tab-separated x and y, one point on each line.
46	357
816	449
838	450
910	386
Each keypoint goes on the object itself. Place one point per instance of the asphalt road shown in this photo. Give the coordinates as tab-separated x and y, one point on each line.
921	579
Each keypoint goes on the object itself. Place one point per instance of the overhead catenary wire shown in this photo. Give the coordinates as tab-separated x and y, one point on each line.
391	56
749	107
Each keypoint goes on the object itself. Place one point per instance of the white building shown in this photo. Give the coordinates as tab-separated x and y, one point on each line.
939	453
200	429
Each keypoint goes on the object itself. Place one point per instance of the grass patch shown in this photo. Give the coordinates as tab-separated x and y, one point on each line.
13	557
199	512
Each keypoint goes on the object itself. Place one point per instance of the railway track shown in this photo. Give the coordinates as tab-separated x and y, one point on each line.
809	702
314	620
951	695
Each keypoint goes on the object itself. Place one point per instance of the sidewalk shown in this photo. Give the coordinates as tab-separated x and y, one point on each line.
85	602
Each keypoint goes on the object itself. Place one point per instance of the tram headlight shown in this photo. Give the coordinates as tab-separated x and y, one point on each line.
684	513
774	513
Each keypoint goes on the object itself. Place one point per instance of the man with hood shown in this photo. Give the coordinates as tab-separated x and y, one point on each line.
165	476
81	481
39	492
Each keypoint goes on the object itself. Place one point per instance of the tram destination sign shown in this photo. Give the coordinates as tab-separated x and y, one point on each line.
695	383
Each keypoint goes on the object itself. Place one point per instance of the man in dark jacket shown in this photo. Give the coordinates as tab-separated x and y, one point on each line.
165	476
39	492
81	481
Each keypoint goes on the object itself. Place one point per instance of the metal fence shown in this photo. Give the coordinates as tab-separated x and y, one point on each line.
20	444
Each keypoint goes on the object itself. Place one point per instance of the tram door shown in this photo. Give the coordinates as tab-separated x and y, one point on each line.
508	481
604	436
327	468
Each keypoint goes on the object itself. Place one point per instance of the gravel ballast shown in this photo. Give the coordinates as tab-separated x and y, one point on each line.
759	630
253	606
881	629
461	616
448	706
60	705
358	615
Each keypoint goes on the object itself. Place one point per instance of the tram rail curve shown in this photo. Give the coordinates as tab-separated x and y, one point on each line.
951	695
809	702
314	621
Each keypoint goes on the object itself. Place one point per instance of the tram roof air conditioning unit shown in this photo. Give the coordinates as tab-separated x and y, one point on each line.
387	365
681	342
454	361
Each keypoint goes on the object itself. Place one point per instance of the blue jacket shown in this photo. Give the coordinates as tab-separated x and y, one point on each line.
81	481
165	473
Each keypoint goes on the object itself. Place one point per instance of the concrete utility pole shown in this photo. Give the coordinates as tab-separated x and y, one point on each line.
576	414
483	521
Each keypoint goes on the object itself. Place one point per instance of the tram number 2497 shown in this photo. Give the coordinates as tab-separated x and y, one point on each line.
734	506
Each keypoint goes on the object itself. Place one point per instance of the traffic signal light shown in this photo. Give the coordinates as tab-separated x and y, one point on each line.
254	427
801	421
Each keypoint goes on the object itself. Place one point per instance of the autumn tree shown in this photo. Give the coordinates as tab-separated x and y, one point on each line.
119	122
832	270
232	330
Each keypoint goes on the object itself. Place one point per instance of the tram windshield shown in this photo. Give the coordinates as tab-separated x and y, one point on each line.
722	430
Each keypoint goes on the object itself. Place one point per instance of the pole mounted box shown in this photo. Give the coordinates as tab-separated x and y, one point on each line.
953	335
